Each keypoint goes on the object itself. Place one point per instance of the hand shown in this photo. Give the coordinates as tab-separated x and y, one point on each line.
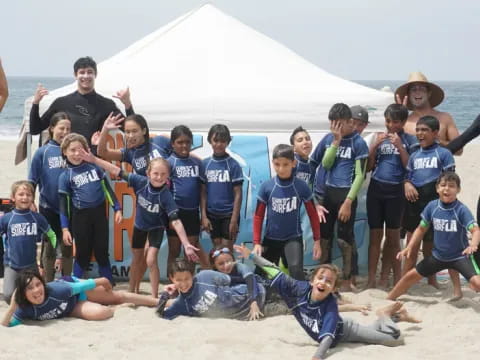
95	139
404	253
67	237
58	265
171	289
401	101
395	140
322	212
33	207
379	139
86	156
39	94
190	252
41	271
206	225
254	313
242	250
336	128
118	216
124	96
317	250
105	283
470	250
13	302
345	211
364	309
411	193
233	229
112	122
257	250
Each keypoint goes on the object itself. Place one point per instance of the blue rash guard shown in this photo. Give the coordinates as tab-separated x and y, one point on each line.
59	302
283	199
304	170
320	172
242	274
221	174
47	166
155	206
352	147
388	164
450	224
212	295
159	146
23	229
185	180
425	165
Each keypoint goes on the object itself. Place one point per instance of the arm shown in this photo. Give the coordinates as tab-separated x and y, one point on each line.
3	87
473	247
315	224
329	157
64	218
112	200
206	225
417	236
257	226
452	132
459	142
397	142
124	96
7	317
37	123
176	223
323	347
372	153
112	122
237	204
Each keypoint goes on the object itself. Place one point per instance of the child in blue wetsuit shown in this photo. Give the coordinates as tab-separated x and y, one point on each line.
46	167
282	198
185	172
83	189
450	221
388	159
222	180
423	169
22	228
207	294
315	308
155	211
344	158
139	147
302	146
85	299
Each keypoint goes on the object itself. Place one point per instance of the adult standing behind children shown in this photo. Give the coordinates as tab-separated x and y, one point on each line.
3	87
86	109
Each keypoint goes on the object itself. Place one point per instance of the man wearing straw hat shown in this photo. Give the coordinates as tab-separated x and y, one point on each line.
421	97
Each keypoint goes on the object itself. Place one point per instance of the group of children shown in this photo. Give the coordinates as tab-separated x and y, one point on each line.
181	194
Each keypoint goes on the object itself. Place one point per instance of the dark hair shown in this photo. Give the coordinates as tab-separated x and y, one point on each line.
431	121
212	258
449	176
24	278
180	130
142	122
339	111
180	265
219	132
333	268
83	63
283	151
295	132
396	112
55	119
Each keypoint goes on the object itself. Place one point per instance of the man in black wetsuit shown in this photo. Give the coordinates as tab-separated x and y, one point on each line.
86	109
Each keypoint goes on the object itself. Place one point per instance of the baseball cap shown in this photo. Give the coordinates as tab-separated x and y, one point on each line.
360	113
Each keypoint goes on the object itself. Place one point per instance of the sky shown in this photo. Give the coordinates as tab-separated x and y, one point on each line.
354	39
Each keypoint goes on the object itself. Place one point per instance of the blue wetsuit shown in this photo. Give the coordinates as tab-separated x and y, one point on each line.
138	157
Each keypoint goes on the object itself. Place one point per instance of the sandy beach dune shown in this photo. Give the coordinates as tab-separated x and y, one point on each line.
449	330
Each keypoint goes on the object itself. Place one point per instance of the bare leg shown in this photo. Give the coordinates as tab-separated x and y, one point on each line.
403	315
135	270
88	310
228	244
174	248
393	245
376	236
457	287
404	284
389	310
101	296
412	260
475	283
427	251
152	263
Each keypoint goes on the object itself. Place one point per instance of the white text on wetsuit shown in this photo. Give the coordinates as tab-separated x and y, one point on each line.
54	313
186	171
205	301
311	323
141	162
218	176
305	176
22	229
389	149
85	178
148	205
55	162
445	225
425	163
284	205
344	152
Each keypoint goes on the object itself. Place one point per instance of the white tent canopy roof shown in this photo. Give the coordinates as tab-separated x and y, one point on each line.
207	67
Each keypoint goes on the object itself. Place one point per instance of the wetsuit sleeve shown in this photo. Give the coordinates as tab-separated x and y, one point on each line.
123	175
258	222
426	215
37	123
53	240
110	195
314	220
35	168
64	210
329	157
323	347
251	287
464	138
82	285
178	308
358	180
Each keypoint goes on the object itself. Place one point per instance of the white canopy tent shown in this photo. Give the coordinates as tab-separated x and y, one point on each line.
207	67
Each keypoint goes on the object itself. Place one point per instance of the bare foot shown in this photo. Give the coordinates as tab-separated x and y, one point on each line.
389	310
371	284
403	315
433	282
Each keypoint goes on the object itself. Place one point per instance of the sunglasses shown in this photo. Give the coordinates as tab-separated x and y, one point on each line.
220	251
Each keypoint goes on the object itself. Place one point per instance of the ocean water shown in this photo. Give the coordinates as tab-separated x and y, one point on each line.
462	99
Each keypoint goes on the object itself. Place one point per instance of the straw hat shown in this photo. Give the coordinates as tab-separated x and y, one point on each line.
436	96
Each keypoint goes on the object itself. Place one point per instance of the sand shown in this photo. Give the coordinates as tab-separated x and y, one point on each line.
449	330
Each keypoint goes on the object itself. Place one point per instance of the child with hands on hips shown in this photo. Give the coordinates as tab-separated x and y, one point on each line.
223	261
22	228
315	308
83	189
155	210
34	299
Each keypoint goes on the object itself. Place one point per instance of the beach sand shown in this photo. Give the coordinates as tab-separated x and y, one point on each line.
449	330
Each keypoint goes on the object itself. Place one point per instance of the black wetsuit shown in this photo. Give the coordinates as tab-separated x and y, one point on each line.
87	113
